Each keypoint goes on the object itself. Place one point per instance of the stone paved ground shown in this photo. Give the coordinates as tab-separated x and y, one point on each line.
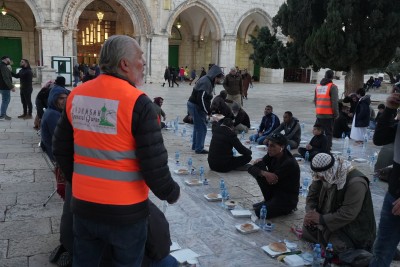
29	231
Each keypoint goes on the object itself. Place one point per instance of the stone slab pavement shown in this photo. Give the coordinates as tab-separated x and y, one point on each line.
29	231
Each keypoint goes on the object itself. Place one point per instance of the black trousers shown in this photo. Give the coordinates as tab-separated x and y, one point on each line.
66	229
278	203
234	163
26	100
327	124
302	152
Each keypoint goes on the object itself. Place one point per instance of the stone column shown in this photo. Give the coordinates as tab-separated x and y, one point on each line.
228	52
158	58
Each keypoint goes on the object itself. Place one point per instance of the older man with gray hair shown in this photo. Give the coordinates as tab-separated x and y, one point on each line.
234	87
339	206
108	141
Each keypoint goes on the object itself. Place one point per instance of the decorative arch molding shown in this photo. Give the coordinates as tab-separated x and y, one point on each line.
204	5
259	11
36	14
135	8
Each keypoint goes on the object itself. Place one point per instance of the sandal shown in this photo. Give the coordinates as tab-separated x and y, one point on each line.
55	254
65	260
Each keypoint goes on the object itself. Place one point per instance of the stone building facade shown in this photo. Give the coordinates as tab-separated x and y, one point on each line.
193	33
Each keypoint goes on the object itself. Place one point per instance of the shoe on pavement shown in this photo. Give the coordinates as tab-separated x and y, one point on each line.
244	167
7	117
22	116
202	152
27	117
2	118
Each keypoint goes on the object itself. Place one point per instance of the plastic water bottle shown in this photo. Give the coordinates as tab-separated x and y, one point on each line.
288	148
346	143
316	256
302	126
263	216
201	174
242	136
177	158
306	183
307	156
234	152
328	255
343	135
223	198
365	141
348	153
190	163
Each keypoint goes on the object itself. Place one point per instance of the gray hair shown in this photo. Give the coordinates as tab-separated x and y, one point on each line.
114	49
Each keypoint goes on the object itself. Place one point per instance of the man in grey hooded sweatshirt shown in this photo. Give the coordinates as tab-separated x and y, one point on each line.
199	106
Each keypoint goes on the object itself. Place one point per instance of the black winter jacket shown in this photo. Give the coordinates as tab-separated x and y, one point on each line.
151	152
362	112
25	77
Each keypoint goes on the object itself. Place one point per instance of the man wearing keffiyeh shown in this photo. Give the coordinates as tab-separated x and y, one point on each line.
339	206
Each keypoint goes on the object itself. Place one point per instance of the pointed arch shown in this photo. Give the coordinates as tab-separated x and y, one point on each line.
35	11
259	11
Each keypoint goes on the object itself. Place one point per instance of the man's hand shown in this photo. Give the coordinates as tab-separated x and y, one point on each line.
396	207
271	178
308	147
311	218
393	101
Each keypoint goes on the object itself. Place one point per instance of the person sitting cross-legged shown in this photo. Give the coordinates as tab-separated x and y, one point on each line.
268	124
317	144
291	128
224	139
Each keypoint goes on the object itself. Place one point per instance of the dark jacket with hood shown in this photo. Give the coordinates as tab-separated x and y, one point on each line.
292	130
219	106
5	77
25	77
50	119
150	150
334	94
202	91
362	112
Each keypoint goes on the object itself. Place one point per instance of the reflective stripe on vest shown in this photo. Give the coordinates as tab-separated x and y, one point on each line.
106	169
323	104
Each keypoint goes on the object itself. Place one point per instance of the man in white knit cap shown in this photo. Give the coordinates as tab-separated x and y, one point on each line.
339	206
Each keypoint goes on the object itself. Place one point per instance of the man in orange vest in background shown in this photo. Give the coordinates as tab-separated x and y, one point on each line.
326	105
108	141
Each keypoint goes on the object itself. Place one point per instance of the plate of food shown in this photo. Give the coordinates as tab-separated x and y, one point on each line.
213	197
261	147
241	213
360	160
181	171
193	182
299	159
217	117
275	249
247	228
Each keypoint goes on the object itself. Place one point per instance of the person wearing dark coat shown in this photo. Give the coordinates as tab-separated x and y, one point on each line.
242	120
41	103
25	75
319	143
341	125
202	73
291	128
278	176
167	77
224	139
361	117
269	123
219	106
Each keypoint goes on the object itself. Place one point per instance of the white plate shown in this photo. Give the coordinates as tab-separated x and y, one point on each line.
255	228
182	171
184	255
261	147
299	159
174	246
294	260
218	198
271	252
193	182
241	213
336	152
360	160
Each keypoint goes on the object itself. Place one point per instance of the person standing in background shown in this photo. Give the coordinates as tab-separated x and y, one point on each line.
246	78
25	76
5	86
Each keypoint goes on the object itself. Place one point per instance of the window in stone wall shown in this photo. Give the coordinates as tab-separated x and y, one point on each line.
8	22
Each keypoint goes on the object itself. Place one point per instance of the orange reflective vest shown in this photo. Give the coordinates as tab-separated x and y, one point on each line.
106	170
323	104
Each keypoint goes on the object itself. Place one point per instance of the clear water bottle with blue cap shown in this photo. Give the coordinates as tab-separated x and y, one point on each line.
365	141
288	148
234	152
190	163
328	255
343	135
346	143
306	183
242	135
177	154
223	197
316	256
348	153
307	156
263	216
201	174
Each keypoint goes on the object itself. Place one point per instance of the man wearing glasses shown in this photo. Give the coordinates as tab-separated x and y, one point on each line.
339	206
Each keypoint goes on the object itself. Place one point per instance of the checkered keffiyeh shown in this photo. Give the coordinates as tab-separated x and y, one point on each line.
333	171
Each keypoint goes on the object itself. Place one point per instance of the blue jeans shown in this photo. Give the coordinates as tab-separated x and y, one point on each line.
388	236
76	81
258	139
199	126
127	242
168	261
5	100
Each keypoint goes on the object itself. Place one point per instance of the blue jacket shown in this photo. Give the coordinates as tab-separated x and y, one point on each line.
268	124
50	119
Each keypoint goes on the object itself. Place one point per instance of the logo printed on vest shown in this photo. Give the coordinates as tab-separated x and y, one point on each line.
321	90
94	114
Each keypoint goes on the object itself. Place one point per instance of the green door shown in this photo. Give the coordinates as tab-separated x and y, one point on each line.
12	47
256	72
173	56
